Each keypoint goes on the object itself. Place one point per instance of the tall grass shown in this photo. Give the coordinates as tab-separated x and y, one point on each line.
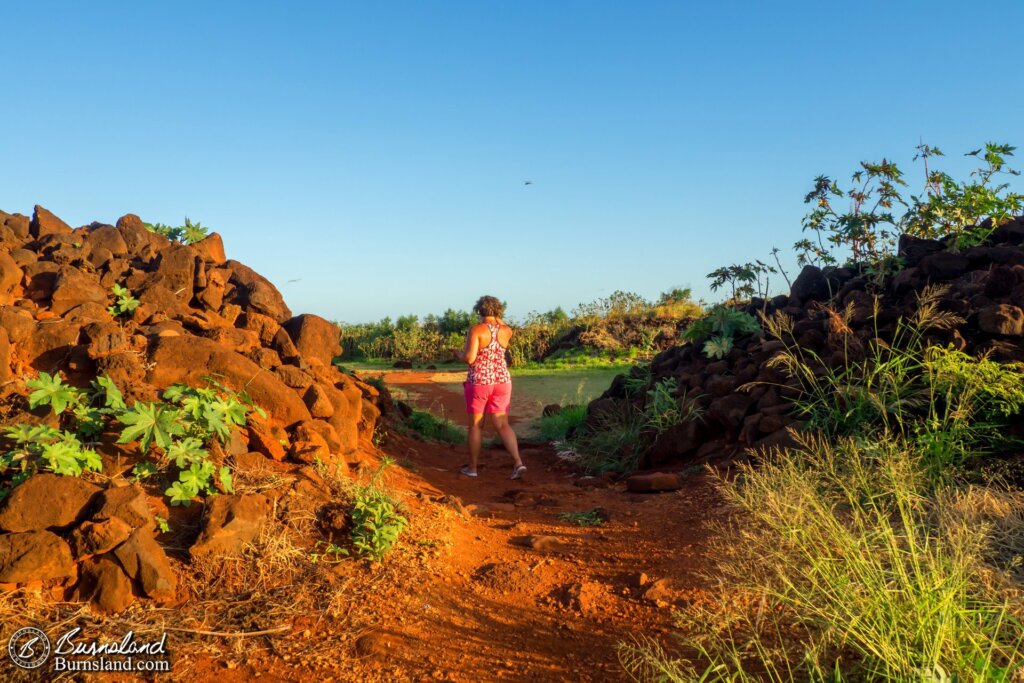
859	572
428	426
857	556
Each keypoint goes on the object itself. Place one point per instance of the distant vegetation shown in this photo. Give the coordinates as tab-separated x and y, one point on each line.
621	327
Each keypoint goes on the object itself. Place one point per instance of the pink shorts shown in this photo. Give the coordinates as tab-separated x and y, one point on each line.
487	398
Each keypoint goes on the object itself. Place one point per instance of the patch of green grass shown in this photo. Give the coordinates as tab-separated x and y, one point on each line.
429	426
557	426
594	517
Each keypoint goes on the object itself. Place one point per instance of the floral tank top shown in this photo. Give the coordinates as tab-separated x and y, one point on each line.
490	366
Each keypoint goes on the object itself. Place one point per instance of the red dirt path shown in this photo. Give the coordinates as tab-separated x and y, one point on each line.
475	606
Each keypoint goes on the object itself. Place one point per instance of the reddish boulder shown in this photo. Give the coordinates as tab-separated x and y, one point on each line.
263	438
51	344
34	556
308	445
107	238
256	291
105	585
211	249
73	288
144	560
46	501
230	522
187	360
315	337
1002	319
176	270
134	231
126	503
20	226
45	223
10	277
318	402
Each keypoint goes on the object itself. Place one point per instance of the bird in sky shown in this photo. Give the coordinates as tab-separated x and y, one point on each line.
527	182
298	279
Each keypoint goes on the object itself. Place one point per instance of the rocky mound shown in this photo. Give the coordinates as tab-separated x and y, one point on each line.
983	285
199	315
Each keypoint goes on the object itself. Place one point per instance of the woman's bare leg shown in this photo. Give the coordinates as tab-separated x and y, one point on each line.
475	437
508	436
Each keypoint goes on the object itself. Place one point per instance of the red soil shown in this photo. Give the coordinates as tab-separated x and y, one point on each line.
475	605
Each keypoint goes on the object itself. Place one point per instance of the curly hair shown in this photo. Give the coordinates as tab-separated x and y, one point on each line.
489	305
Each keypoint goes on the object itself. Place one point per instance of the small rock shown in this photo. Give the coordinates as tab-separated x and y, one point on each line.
230	522
145	561
95	538
654	482
544	544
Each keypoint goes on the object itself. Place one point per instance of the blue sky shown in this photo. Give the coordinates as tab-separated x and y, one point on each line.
377	152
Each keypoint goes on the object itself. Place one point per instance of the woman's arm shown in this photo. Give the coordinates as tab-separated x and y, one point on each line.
472	347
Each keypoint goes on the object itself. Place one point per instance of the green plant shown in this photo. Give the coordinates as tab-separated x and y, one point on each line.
871	574
192	232
124	302
969	211
429	426
744	279
612	443
43	447
377	521
951	405
594	517
719	327
558	425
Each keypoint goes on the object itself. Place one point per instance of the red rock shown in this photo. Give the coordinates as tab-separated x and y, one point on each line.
315	337
544	544
105	584
134	231
258	292
95	538
46	501
308	445
72	288
45	223
107	238
127	503
144	560
263	439
1002	319
10	277
318	402
230	523
187	360
211	249
34	556
654	482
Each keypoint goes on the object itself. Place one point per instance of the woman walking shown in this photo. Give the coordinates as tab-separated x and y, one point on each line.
488	385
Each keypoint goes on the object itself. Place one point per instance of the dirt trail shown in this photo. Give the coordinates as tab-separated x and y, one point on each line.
500	610
462	600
